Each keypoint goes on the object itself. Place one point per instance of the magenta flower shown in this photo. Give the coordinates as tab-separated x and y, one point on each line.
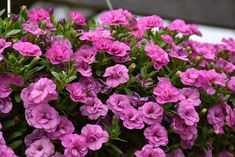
44	117
168	39
114	17
86	53
35	135
27	49
6	151
95	35
82	67
176	153
33	28
5	105
152	113
179	53
39	92
165	92
102	44
231	84
3	45
77	18
158	55
225	153
75	145
189	77
90	86
38	14
95	136
230	116
94	108
57	154
226	66
65	127
76	92
116	75
190	96
132	119
149	22
118	103
118	49
149	150
41	148
156	135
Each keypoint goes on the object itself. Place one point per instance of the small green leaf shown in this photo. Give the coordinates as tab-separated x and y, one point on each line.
12	32
8	124
16	144
56	75
17	98
115	148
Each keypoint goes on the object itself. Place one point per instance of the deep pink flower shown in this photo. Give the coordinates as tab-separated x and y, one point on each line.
118	49
165	91
149	150
189	77
3	45
33	28
179	53
77	18
38	14
75	145
27	49
90	86
95	136
152	113
149	22
5	105
39	92
82	67
158	55
230	116
63	128
226	66
116	75
156	135
168	39
76	92
225	153
231	84
40	148
6	151
176	153
43	116
114	17
102	44
35	135
216	118
118	103
86	53
190	96
95	35
133	119
94	108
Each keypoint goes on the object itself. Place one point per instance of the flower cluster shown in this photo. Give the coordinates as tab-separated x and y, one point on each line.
126	86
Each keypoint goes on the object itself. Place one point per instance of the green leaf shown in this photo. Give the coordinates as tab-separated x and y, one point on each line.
17	98
8	124
115	148
12	32
56	75
16	144
15	135
2	11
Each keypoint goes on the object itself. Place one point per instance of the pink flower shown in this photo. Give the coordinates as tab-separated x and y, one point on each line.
179	53
60	51
35	135
33	28
116	75
102	44
168	39
176	153
156	135
152	113
94	108
231	84
90	86
165	92
190	96
114	17
5	105
3	45
188	113
38	14
118	103
118	49
43	116
216	118
6	151
149	22
95	35
27	49
225	153
95	136
158	55
86	53
39	92
82	67
75	145
76	92
42	147
133	119
65	127
189	77
149	150
226	66
77	18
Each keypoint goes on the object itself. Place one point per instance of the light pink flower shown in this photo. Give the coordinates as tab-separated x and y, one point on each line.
6	151
133	119
116	75
27	49
77	18
95	136
149	150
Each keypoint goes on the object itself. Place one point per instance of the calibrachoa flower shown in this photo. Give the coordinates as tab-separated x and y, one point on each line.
3	45
165	91
114	17
35	135
149	150
86	53
6	151
118	49
176	153
116	75
76	92
42	147
132	119
189	77
27	49
75	145
156	135
33	28
190	96
148	22
77	18
224	65
5	105
95	136
231	84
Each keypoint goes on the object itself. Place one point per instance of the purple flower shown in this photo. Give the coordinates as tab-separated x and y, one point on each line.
165	92
2	140
33	28
6	151
230	116
40	148
102	44
149	150
118	49
39	92
189	77
190	95
63	128
158	55
149	22
82	67
152	113
95	136
94	108
179	53
144	83
176	153
118	103
75	145
35	135
57	154
3	45
5	105
90	86
86	53
156	135
44	117
116	75
132	119
226	66
136	100
77	18
27	49
231	84
225	153
114	17
76	92
168	39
